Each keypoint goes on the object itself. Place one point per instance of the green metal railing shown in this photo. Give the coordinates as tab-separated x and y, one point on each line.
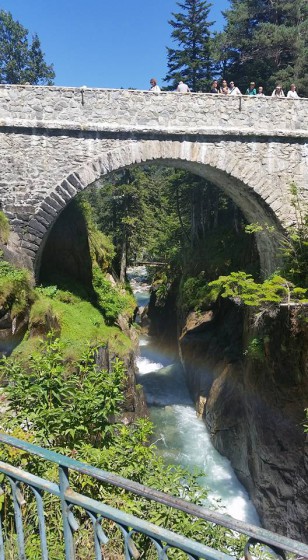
163	540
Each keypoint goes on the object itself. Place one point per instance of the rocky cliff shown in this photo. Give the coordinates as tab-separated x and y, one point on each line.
249	377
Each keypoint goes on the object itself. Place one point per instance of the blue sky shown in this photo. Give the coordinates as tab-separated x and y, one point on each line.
103	43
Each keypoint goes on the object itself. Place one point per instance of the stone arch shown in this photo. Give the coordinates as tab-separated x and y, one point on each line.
221	165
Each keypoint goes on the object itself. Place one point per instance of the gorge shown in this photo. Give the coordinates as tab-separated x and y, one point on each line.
246	368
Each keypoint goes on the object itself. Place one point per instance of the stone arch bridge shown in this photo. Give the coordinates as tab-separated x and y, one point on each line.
55	141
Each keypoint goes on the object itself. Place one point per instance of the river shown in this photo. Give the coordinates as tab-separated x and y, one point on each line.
181	437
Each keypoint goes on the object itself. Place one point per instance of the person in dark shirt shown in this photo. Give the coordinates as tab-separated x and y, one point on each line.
214	87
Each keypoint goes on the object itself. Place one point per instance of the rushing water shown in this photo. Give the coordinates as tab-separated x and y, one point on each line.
180	436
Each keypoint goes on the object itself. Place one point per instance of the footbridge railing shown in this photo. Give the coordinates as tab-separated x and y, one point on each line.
164	541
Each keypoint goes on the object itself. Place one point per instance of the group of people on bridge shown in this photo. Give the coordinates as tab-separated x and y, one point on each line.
231	89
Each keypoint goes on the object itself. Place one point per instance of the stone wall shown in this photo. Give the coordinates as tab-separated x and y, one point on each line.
130	110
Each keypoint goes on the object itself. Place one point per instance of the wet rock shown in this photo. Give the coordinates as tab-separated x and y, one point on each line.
254	405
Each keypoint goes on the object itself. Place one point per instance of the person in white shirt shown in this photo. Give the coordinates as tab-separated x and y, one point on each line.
278	92
233	89
182	88
292	93
154	86
260	92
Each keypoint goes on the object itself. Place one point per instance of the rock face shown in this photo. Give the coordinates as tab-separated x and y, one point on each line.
12	329
250	383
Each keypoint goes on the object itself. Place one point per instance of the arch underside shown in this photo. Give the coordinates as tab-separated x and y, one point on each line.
185	155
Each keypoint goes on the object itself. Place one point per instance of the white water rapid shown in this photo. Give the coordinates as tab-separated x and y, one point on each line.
180	436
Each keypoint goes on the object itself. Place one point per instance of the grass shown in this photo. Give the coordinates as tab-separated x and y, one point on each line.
76	321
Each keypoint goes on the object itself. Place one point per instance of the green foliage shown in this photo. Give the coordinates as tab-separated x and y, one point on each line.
195	294
129	204
198	294
4	228
16	292
102	250
255	349
63	409
75	411
295	246
242	287
113	300
265	42
191	61
21	61
258	228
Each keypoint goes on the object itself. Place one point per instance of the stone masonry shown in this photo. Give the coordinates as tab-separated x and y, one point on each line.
55	141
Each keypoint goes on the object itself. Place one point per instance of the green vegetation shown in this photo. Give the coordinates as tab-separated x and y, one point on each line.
21	61
4	228
242	288
76	321
16	292
295	247
102	250
265	42
255	349
63	409
79	414
191	61
114	300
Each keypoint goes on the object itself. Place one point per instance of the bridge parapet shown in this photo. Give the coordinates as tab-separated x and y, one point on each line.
143	111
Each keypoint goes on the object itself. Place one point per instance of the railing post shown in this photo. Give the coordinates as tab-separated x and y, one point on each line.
18	502
41	522
68	531
1	537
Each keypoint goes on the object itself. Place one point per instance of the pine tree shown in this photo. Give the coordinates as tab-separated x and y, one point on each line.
21	61
192	61
265	41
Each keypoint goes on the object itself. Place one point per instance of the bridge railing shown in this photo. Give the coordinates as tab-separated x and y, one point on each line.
163	540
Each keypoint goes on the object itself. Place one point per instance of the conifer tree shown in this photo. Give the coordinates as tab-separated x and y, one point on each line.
191	61
265	41
21	61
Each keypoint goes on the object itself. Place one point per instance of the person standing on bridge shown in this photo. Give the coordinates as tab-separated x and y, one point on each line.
214	87
252	89
233	89
154	86
182	88
292	93
278	92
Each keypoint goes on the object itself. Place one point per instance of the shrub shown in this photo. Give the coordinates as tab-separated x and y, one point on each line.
243	288
113	300
74	412
63	409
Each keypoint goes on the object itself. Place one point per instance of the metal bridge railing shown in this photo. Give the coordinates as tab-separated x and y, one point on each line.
163	540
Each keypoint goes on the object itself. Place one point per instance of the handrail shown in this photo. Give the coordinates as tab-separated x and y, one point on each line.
67	495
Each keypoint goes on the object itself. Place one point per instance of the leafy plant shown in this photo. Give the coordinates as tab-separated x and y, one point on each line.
112	299
255	349
295	247
61	407
242	287
73	410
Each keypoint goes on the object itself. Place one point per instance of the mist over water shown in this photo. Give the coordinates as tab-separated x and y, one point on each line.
180	436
